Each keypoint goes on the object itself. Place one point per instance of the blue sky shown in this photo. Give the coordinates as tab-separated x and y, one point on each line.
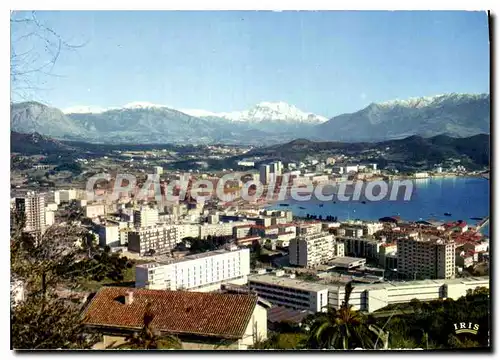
327	62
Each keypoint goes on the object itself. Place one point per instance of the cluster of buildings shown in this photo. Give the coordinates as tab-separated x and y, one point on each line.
425	257
287	290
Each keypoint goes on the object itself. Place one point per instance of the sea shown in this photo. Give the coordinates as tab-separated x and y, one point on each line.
465	198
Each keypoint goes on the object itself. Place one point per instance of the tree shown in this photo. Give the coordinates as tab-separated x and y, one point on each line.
47	264
480	290
344	328
48	322
37	259
148	338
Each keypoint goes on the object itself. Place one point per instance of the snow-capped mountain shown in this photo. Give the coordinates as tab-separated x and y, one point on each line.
426	101
264	111
457	115
100	110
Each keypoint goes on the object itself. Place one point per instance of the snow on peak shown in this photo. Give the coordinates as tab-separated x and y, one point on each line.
276	111
99	110
143	105
199	113
424	101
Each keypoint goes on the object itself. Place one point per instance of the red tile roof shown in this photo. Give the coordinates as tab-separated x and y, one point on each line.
176	312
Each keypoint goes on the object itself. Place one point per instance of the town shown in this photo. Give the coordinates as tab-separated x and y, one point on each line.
296	266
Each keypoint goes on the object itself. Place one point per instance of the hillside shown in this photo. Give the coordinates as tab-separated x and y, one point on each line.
456	115
413	149
35	144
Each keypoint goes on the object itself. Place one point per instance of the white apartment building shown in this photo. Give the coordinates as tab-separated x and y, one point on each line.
51	207
361	247
311	250
338	249
145	217
309	228
219	229
187	230
32	207
315	296
61	196
158	170
199	272
95	210
161	239
246	163
50	217
109	235
290	292
376	296
426	258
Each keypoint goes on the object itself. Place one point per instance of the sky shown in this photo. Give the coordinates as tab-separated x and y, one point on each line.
325	62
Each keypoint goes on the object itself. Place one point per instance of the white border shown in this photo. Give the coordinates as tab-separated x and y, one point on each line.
198	5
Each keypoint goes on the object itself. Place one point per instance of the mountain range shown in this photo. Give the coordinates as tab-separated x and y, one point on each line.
456	115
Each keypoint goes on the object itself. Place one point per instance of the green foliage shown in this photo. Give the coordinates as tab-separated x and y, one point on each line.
48	323
73	167
283	341
102	265
344	328
48	265
430	325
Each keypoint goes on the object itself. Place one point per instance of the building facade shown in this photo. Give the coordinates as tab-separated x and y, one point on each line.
145	217
32	208
290	292
157	239
426	258
311	250
199	272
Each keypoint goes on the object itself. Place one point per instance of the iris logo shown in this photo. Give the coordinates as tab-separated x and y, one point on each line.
470	328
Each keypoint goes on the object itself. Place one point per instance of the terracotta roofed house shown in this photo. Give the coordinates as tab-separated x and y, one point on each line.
202	321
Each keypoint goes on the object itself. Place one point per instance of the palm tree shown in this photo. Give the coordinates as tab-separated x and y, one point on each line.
344	328
147	338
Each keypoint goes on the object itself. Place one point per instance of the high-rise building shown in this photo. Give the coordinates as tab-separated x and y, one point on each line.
160	239
265	171
109	235
199	272
158	170
145	217
426	258
32	208
276	168
310	250
61	196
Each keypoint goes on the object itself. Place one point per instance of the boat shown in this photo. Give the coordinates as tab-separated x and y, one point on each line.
476	218
320	205
363	202
284	205
300	207
447	214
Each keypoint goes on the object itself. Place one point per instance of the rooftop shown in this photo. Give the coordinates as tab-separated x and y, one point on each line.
188	258
176	312
278	314
345	260
286	281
